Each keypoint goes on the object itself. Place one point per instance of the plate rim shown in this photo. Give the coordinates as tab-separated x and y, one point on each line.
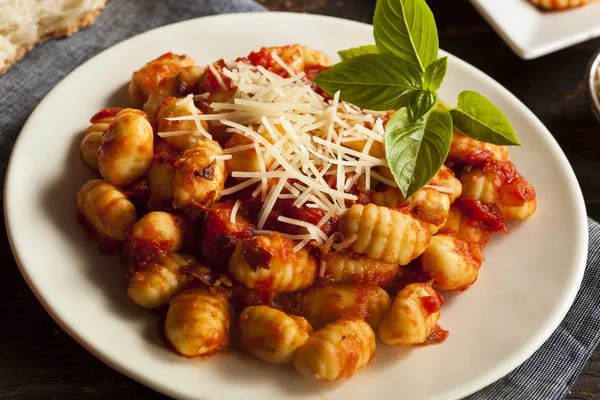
580	215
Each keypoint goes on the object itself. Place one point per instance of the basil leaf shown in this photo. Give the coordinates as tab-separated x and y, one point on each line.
435	73
407	29
421	103
358	51
480	119
416	150
373	81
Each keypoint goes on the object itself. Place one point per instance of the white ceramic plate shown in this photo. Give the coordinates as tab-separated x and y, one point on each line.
532	32
524	289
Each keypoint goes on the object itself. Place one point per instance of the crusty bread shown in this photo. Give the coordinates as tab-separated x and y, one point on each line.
26	23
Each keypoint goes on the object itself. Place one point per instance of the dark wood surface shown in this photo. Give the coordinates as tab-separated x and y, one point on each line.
39	361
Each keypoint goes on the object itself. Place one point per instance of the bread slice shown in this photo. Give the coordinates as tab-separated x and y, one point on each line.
26	23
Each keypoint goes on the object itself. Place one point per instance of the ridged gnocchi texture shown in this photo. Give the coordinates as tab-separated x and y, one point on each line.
412	317
269	263
321	306
245	160
159	229
180	84
462	227
560	4
127	148
349	267
337	351
198	322
93	135
147	78
500	183
172	108
453	263
108	211
199	178
470	151
158	282
384	234
272	335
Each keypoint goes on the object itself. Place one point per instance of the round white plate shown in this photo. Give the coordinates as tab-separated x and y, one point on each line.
524	289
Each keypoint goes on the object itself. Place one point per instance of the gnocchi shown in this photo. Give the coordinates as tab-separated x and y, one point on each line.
337	351
173	107
200	176
384	234
93	135
272	335
146	79
269	263
179	84
157	283
107	210
465	150
127	148
453	263
349	267
412	317
499	183
198	322
321	306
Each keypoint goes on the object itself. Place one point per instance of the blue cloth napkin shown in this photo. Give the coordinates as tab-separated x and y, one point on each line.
548	374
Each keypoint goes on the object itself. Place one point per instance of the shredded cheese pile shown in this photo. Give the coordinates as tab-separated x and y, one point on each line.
305	135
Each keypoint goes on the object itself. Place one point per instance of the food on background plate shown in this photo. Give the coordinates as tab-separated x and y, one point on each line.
27	23
277	205
560	4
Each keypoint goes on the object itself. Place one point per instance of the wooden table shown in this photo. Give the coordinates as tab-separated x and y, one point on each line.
39	361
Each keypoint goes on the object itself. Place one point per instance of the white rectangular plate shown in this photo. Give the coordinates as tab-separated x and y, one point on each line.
531	32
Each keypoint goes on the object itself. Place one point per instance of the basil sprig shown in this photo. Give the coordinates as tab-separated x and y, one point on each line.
402	72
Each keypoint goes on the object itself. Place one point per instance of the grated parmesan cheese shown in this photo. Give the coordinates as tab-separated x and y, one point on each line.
234	211
305	136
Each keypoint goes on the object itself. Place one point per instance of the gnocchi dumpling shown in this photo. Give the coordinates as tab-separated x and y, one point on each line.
462	227
179	84
321	306
198	321
200	176
349	267
500	183
269	263
158	230
445	178
171	108
384	234
272	335
412	317
147	78
158	282
465	150
127	148
337	351
106	209
453	263
93	135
